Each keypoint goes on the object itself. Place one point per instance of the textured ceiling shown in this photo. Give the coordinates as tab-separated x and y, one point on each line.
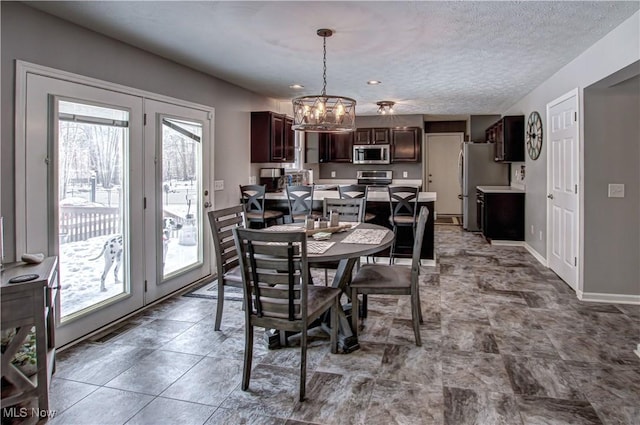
432	57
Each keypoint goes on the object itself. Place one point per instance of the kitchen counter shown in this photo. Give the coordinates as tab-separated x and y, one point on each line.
378	206
319	195
499	189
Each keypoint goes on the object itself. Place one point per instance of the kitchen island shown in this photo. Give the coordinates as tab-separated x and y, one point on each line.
377	204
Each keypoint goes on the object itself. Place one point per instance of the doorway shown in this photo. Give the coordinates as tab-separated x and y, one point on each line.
442	173
96	159
563	163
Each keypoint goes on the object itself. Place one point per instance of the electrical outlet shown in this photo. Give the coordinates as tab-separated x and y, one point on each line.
218	185
532	232
405	174
333	174
616	190
252	179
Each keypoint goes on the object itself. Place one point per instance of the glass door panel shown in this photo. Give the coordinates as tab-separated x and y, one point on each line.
92	186
182	184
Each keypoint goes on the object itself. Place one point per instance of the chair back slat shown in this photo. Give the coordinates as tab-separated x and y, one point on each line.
351	209
221	223
275	272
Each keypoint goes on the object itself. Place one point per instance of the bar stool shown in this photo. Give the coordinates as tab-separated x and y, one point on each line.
301	203
403	201
355	191
252	196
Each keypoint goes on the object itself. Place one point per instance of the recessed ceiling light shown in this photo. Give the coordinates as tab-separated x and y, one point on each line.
373	82
296	86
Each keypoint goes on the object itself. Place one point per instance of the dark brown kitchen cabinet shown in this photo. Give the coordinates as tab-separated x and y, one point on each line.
272	139
336	147
405	144
372	136
508	136
501	215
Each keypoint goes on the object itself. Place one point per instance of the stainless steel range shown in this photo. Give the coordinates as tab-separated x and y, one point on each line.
375	178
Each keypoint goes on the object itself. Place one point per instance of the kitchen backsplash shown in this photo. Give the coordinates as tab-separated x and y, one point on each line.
348	171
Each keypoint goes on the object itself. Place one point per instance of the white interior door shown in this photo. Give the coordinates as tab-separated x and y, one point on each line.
178	142
562	177
442	174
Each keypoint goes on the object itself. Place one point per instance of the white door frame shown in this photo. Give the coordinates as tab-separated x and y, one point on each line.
579	178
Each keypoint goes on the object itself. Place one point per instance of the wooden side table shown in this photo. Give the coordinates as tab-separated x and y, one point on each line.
27	305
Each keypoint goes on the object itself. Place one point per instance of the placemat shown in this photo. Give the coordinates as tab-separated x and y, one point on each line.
366	236
318	247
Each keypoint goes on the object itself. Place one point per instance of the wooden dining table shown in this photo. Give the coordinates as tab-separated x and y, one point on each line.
345	247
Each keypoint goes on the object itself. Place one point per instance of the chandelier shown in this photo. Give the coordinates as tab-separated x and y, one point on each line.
385	107
324	113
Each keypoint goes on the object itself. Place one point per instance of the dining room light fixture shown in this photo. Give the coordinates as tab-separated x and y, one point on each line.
385	107
324	113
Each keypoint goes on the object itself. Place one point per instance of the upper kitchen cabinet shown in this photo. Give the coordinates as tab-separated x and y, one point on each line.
372	136
405	144
336	147
272	139
508	136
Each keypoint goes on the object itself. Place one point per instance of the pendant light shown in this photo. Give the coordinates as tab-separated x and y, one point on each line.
385	107
324	113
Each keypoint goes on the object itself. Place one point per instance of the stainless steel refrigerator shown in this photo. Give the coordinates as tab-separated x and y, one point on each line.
478	168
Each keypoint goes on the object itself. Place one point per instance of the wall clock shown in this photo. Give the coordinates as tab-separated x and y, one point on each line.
534	135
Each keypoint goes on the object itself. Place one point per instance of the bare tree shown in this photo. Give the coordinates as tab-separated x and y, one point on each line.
106	153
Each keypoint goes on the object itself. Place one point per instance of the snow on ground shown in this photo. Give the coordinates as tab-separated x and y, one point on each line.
80	276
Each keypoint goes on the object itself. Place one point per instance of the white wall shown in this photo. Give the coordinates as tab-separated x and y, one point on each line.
617	50
33	36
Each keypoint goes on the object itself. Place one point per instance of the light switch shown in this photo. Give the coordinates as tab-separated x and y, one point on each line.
616	190
252	179
333	174
405	174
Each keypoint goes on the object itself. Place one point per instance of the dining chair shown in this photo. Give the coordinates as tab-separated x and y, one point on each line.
393	280
356	191
403	202
277	292
300	200
228	270
350	210
253	196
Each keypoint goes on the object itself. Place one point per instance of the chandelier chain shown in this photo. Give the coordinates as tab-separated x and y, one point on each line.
324	65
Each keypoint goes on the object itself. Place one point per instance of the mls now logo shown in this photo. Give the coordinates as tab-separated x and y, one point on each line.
23	412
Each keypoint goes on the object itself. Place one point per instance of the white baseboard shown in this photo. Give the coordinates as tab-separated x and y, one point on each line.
608	298
536	255
401	261
506	243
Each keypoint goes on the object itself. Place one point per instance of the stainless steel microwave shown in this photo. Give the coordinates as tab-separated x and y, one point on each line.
371	154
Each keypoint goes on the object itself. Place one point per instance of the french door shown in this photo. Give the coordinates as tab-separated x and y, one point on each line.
92	172
175	138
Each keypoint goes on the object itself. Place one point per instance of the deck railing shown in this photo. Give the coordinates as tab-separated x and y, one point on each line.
82	223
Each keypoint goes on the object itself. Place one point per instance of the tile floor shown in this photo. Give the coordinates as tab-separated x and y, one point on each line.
504	342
